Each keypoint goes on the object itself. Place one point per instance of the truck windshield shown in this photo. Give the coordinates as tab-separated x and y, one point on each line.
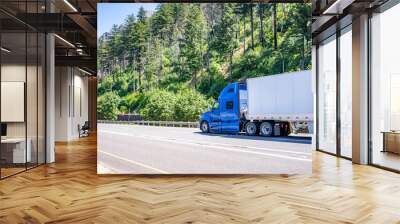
216	106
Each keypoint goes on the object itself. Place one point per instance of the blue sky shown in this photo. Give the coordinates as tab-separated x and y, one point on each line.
109	14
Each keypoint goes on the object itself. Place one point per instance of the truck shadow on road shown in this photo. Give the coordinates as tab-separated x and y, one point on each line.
289	139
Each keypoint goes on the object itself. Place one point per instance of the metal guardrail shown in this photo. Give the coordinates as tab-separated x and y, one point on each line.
183	124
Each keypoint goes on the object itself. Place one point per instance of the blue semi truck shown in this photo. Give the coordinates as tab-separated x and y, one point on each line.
274	105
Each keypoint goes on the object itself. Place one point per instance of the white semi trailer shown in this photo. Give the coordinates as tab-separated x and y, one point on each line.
273	105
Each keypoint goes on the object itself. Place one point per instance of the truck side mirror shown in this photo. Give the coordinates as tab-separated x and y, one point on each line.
209	107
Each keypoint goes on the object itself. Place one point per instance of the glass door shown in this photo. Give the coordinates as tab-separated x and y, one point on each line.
14	155
327	95
385	89
22	77
346	95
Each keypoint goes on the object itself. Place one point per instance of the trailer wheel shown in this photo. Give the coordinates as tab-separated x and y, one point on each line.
251	128
266	129
205	128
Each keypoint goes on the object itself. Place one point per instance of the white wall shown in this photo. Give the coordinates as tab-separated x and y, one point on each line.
62	82
17	73
33	126
71	102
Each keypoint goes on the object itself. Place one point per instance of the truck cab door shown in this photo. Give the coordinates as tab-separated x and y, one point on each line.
215	121
230	115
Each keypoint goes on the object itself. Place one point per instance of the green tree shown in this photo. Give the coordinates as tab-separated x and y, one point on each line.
192	46
107	106
189	105
159	105
224	40
139	36
198	46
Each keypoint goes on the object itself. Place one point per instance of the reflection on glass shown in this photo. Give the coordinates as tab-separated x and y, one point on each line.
327	95
14	153
22	90
31	101
394	102
346	93
385	83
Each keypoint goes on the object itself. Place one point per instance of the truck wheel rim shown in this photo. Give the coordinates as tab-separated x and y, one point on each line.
266	129
204	126
251	129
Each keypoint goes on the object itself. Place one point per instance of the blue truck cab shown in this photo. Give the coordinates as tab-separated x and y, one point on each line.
225	116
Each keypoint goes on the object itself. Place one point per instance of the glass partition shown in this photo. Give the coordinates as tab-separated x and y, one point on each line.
385	89
13	94
32	98
22	77
346	92
327	95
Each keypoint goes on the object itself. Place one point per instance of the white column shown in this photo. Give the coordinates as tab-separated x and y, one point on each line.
314	88
360	90
50	99
62	103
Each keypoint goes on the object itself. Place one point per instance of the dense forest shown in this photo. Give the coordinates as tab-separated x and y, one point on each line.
171	63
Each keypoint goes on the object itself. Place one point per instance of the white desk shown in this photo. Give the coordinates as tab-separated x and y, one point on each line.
18	149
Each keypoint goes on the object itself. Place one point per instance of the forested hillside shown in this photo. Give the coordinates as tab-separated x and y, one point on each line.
171	63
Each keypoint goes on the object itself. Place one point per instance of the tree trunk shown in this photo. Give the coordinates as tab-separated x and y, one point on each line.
193	82
140	73
274	26
244	32
113	73
207	60
252	25
139	82
230	65
237	28
261	14
160	68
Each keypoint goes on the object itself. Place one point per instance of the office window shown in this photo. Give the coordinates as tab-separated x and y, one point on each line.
327	95
346	92
229	105
15	146
385	89
22	93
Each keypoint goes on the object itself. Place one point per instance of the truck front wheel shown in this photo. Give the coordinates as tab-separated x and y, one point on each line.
251	128
205	128
266	129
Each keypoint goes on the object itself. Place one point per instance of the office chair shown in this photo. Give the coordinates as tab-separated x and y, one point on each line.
84	130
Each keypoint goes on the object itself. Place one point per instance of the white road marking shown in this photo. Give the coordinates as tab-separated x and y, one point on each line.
221	144
135	162
210	146
102	169
250	147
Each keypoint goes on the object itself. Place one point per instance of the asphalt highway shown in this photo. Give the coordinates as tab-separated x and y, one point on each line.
134	149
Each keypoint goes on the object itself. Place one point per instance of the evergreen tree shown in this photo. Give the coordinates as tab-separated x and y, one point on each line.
192	45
